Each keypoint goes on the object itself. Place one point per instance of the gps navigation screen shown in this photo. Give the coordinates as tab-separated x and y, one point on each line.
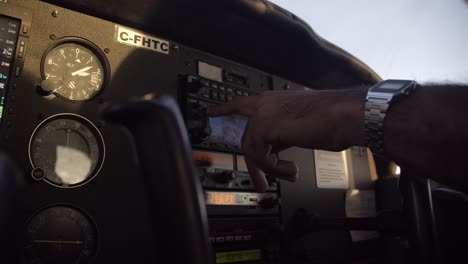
8	36
227	130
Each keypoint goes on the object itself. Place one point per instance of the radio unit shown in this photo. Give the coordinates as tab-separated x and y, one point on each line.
226	171
252	240
220	133
244	225
221	203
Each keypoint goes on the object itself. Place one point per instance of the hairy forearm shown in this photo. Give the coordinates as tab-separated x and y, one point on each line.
427	133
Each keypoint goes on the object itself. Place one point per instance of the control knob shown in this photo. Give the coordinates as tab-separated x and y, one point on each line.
224	177
268	203
198	123
193	85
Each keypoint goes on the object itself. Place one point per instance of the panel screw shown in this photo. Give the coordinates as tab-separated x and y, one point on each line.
52	36
55	13
106	50
38	173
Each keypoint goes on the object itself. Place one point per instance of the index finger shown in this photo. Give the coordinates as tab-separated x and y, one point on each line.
240	105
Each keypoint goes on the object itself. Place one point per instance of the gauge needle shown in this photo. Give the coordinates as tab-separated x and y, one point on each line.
68	136
82	71
58	242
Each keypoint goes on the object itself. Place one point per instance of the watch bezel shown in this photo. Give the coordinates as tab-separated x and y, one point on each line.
406	87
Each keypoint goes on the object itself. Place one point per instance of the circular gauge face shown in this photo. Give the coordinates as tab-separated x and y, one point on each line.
68	148
61	234
74	70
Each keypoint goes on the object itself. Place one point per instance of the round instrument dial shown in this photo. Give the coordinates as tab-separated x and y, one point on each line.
68	148
74	70
61	234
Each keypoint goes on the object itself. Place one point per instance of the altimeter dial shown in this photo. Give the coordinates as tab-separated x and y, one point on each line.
74	71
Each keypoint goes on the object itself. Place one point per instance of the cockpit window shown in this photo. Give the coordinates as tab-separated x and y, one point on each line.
422	40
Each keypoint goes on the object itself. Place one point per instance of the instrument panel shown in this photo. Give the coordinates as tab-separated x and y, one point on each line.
83	199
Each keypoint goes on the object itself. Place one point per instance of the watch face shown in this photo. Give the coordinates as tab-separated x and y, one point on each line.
392	86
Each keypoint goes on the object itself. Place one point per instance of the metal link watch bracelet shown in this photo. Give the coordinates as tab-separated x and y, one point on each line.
379	100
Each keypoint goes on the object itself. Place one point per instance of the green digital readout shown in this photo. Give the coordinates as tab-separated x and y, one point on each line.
238	256
9	30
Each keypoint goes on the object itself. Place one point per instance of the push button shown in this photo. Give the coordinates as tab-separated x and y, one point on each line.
21	49
222	97
205	82
214	95
25	29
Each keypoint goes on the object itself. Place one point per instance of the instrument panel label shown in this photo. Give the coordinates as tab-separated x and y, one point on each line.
139	39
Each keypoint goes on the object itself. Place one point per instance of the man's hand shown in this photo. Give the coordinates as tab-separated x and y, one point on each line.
328	120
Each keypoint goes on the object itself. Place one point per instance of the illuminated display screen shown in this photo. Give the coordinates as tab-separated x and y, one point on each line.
390	85
220	198
236	198
9	29
241	166
238	256
210	72
227	130
217	160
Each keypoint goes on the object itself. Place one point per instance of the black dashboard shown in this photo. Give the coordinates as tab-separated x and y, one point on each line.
83	198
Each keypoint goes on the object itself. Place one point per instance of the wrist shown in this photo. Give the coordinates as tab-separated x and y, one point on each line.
350	117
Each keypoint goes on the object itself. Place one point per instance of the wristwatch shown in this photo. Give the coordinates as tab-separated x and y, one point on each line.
380	98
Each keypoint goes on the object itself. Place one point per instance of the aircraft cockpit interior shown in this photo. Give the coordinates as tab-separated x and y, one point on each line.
108	154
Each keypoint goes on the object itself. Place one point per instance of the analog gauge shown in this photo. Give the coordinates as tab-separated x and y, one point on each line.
74	70
61	234
68	149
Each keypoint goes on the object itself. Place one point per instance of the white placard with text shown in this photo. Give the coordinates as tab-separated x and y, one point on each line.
331	169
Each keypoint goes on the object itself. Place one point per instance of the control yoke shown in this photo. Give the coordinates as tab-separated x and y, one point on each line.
176	200
8	195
